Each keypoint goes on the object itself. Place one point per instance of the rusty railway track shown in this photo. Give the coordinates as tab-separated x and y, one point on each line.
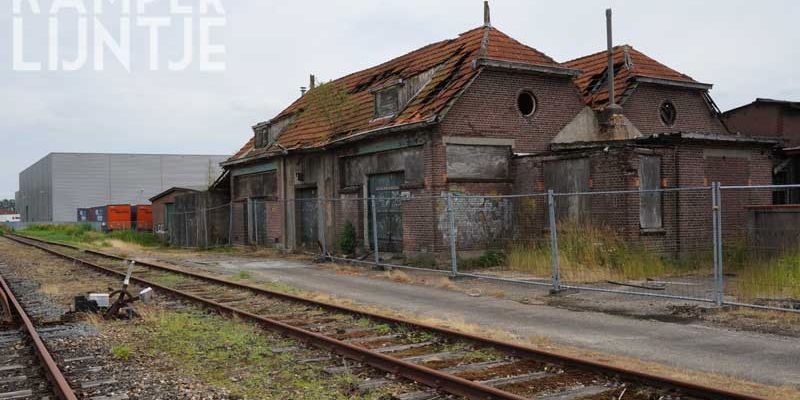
442	359
16	386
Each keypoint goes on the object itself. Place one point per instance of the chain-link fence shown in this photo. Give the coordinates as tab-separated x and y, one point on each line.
716	244
203	227
760	247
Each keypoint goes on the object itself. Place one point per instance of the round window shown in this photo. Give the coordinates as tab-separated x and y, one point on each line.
668	113
526	103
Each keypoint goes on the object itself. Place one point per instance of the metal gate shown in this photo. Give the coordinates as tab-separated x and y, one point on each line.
306	214
259	218
385	188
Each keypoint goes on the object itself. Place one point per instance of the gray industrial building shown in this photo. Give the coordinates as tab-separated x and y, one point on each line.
54	187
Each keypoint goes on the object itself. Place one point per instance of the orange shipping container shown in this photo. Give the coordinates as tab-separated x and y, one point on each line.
119	217
144	217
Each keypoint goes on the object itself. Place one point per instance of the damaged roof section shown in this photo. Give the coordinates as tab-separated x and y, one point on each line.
630	66
452	63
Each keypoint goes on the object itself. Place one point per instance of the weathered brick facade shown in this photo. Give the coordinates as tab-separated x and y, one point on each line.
694	114
489	109
479	143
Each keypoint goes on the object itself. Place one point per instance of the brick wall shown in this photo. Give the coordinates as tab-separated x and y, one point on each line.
693	114
686	215
769	120
489	108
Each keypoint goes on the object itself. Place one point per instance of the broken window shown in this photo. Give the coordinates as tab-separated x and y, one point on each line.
650	202
387	102
668	113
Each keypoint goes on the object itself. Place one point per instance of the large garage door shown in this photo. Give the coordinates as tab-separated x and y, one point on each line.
389	214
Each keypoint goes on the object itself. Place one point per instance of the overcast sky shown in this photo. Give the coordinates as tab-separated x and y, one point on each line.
747	49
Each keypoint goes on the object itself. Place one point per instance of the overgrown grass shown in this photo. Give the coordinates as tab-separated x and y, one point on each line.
146	239
85	234
73	233
589	253
759	276
237	356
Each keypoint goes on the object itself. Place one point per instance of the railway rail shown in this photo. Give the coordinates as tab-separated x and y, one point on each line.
27	370
444	360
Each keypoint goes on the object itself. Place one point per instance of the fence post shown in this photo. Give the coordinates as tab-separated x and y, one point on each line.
230	223
719	282
451	222
205	227
249	206
375	232
551	211
322	226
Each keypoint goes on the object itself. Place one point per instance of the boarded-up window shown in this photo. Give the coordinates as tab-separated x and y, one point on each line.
650	202
477	162
569	176
387	102
256	185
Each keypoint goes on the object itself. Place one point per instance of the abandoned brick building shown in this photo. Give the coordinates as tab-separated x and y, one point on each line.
778	120
483	114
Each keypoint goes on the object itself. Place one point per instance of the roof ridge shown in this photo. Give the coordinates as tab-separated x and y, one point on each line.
599	52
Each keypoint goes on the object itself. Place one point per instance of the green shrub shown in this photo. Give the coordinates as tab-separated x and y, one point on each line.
489	259
121	352
347	239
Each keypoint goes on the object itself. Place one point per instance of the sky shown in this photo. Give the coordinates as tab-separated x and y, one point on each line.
747	49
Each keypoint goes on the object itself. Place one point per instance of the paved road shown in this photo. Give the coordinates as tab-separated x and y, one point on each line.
762	358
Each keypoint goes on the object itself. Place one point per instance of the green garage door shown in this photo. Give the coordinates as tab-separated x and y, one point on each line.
306	217
389	214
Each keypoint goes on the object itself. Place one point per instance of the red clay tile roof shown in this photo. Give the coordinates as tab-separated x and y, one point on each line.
454	69
636	64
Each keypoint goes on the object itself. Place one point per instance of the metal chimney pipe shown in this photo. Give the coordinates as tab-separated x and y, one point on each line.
302	91
487	17
312	82
610	43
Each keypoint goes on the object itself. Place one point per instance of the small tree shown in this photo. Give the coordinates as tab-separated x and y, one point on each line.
347	239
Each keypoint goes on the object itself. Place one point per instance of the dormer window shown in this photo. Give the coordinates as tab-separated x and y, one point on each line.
387	101
262	134
267	132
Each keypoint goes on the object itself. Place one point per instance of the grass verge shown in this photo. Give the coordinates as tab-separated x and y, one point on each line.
85	234
236	356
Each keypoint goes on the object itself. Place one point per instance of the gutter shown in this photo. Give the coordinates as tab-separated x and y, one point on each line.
672	82
492	63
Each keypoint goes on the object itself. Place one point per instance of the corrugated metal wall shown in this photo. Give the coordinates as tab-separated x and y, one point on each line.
36	191
67	181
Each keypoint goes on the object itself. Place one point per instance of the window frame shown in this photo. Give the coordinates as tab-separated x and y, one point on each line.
647	182
377	101
674	119
534	100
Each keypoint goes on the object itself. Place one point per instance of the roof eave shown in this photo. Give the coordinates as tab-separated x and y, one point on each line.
729	139
492	63
672	82
712	137
386	129
339	142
